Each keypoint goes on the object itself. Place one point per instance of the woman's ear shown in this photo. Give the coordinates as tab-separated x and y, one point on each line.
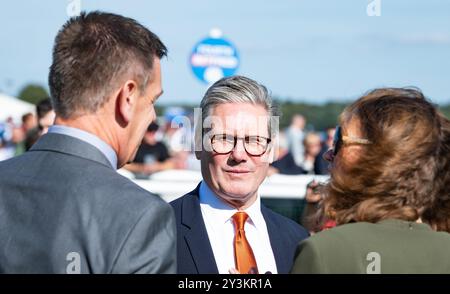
126	100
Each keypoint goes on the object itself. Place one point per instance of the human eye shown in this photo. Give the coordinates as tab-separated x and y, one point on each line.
255	140
228	138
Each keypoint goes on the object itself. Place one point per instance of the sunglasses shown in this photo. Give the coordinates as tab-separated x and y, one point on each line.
339	140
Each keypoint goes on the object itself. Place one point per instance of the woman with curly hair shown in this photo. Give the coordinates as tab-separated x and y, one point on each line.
388	191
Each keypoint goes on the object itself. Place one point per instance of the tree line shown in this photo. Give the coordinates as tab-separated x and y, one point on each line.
318	116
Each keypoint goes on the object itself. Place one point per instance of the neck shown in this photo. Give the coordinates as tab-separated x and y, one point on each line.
92	124
239	205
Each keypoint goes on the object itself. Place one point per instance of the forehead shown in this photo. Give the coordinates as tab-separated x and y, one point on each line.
239	118
154	83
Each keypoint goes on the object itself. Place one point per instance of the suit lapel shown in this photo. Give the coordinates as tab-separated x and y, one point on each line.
196	236
275	236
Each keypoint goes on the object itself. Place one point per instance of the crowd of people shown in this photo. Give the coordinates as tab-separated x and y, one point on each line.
65	209
169	144
16	139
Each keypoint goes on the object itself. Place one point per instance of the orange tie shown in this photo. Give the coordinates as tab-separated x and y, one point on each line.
243	253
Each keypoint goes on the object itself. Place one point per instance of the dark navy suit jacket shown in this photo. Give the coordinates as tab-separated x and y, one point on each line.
194	252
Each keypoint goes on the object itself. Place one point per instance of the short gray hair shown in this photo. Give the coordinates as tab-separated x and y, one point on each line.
237	89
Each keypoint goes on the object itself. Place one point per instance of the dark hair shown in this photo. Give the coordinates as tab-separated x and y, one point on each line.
43	107
26	116
92	53
153	127
395	176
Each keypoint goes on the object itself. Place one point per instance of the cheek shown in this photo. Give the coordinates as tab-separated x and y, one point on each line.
152	114
347	158
213	164
351	155
261	166
217	161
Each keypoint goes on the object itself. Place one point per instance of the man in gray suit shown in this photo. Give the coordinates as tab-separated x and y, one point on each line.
63	206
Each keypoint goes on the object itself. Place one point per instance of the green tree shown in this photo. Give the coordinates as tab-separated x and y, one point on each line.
445	110
33	93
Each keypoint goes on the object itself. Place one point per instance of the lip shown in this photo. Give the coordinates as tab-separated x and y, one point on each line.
237	171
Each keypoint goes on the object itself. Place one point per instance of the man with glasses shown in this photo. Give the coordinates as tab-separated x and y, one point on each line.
222	226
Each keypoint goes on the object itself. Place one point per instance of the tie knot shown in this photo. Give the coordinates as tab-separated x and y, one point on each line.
239	219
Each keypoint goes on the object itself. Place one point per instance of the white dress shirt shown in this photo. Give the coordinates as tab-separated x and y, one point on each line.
217	216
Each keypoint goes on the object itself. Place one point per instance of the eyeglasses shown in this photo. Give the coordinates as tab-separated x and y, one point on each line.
339	140
253	145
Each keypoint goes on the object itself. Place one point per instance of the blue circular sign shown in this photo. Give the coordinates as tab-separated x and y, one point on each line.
214	58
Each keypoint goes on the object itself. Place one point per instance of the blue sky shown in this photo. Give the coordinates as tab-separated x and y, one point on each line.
311	50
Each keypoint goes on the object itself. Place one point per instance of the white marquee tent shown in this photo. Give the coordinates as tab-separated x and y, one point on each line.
14	107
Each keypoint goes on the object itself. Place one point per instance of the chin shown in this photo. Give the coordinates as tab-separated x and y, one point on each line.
236	192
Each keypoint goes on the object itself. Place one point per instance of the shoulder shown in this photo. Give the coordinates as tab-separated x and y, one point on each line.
288	226
119	186
331	251
186	205
343	234
191	198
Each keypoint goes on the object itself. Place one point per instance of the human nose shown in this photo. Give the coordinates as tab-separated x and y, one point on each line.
239	153
328	156
152	112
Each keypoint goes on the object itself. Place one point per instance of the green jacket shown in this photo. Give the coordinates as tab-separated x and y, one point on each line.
388	247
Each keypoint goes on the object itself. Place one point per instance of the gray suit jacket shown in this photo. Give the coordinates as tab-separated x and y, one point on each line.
64	209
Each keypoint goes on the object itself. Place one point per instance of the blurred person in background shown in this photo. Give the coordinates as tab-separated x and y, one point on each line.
45	115
65	209
152	155
45	118
295	135
29	122
386	179
320	163
286	165
312	146
11	136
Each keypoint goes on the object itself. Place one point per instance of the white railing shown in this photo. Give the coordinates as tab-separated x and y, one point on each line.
172	184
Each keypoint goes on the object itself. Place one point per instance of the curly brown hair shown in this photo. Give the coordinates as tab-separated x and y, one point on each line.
399	174
438	215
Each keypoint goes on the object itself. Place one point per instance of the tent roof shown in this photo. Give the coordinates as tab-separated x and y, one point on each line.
14	107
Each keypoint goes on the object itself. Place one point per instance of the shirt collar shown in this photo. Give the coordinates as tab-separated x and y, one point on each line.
89	138
222	212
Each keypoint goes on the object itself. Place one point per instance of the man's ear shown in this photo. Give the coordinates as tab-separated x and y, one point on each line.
272	150
126	99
